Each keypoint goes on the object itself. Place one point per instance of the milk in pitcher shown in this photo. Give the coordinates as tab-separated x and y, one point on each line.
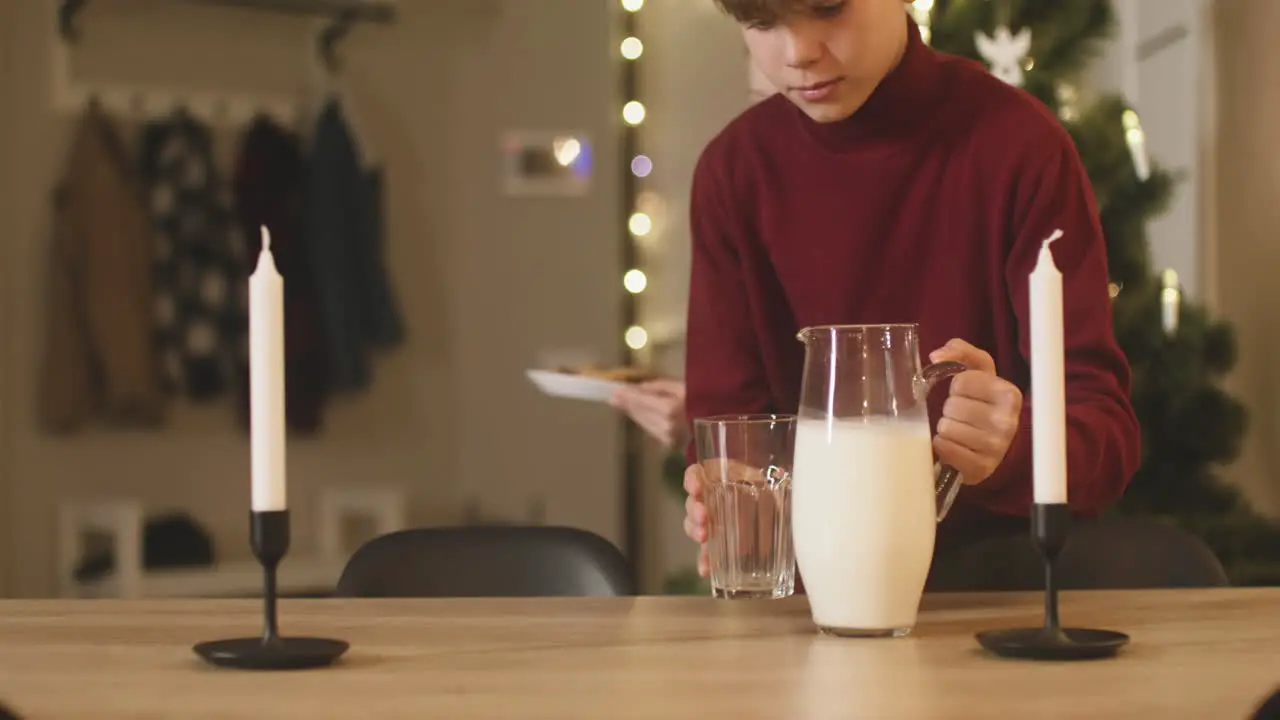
863	521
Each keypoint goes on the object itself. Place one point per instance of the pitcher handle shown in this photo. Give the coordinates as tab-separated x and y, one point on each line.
947	482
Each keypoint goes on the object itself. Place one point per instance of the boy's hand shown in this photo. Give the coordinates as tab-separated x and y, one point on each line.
657	406
695	515
981	414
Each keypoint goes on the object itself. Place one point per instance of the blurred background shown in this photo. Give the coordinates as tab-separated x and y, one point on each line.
494	186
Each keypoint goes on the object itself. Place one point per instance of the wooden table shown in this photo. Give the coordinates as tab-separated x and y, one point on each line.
1195	654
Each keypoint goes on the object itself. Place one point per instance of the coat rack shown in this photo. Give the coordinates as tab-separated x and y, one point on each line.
234	108
343	14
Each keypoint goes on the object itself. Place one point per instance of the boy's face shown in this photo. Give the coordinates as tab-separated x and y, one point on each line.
758	86
826	56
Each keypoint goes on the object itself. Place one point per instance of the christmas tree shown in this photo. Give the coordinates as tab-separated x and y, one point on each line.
1179	354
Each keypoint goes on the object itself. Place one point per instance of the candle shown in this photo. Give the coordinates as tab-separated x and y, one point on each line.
1170	300
1048	378
1136	140
266	382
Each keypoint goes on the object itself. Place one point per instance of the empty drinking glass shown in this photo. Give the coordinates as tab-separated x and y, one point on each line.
746	475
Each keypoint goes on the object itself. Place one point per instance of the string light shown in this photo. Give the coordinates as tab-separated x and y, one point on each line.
636	337
639	223
635	281
633	112
635	222
632	48
641	166
1068	96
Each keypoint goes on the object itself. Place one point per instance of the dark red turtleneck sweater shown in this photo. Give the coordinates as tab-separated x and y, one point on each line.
927	206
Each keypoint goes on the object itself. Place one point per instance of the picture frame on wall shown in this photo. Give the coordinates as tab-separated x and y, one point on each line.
546	164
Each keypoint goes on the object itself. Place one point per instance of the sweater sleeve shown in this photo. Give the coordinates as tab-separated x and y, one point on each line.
724	371
1103	436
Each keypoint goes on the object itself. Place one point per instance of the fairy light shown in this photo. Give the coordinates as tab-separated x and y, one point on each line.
641	166
636	223
1068	96
639	224
636	337
633	112
631	48
635	281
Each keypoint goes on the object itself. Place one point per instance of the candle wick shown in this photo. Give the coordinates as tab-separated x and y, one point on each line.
1056	234
266	239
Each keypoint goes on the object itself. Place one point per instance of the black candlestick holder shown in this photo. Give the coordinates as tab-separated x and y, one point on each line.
269	537
1050	525
1269	709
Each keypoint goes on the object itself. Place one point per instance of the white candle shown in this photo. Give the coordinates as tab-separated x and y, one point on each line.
1170	300
1136	140
1048	379
266	382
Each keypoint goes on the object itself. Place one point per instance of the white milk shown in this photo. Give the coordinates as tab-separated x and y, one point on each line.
863	519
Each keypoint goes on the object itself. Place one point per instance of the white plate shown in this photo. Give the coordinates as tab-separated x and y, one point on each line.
578	387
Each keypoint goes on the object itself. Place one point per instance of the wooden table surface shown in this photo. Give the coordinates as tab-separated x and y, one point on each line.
1194	654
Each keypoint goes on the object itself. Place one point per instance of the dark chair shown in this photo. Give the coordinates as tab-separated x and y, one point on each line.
1112	552
486	561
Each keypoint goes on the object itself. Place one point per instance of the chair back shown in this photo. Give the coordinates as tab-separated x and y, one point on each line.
1114	552
487	561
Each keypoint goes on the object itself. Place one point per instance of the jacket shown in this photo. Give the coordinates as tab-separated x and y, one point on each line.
99	353
344	231
269	184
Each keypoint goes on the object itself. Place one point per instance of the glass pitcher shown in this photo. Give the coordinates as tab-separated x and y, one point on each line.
866	497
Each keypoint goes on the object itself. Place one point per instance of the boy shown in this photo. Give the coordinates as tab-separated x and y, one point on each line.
886	182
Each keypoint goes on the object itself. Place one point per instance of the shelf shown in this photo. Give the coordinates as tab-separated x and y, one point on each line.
385	506
343	13
373	12
229	579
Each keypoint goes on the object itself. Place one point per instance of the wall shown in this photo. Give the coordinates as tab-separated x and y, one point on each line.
487	282
1159	60
7	147
1172	79
1246	219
